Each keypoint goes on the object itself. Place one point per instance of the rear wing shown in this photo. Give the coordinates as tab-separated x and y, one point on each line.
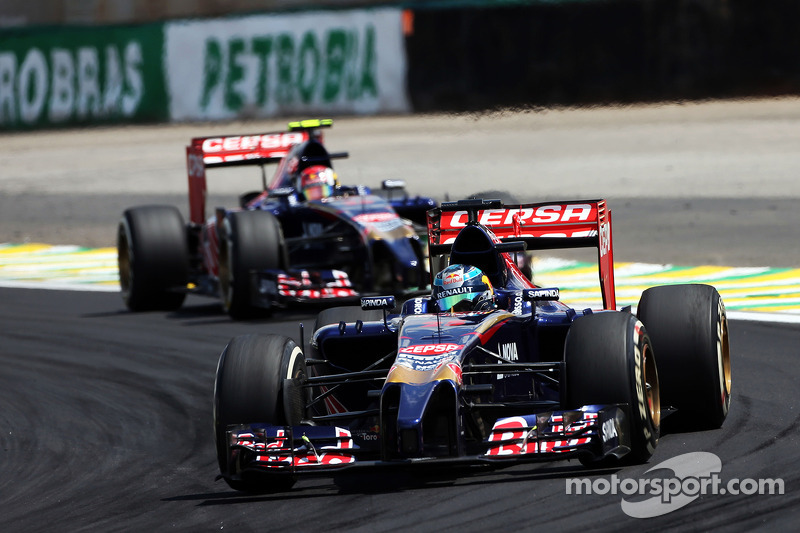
254	149
541	226
231	150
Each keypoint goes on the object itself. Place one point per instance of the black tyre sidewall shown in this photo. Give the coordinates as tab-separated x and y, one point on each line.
153	242
249	389
604	358
685	323
249	241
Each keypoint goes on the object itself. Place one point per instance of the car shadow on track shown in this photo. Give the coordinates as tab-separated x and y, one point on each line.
201	312
381	482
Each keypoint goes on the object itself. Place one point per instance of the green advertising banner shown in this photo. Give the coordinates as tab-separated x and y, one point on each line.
71	76
287	64
245	67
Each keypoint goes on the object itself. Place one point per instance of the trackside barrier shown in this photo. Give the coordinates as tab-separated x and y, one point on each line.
258	66
52	77
415	56
585	52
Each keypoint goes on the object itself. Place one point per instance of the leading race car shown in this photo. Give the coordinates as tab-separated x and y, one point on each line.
488	369
302	237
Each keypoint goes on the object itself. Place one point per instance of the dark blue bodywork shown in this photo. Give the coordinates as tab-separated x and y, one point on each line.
356	242
420	386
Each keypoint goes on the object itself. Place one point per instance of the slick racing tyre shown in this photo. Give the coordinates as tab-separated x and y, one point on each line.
249	241
250	388
689	330
153	257
609	359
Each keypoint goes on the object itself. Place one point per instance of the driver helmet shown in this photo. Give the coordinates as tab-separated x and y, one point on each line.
317	182
463	288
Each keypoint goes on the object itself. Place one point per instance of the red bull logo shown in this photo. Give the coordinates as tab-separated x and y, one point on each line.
452	277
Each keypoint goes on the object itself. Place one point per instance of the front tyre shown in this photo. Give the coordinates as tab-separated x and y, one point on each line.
609	359
153	257
250	388
250	241
689	329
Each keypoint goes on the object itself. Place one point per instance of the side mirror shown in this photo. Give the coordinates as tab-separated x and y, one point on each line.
540	295
377	302
389	185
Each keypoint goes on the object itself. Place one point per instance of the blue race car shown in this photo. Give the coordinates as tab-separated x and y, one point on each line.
303	237
488	368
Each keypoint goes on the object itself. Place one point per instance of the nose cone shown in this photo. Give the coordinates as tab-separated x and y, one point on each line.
413	401
426	419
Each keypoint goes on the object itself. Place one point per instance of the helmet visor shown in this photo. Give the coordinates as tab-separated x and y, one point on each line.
317	190
458	302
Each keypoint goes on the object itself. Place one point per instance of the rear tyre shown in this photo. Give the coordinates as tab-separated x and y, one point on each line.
249	388
153	258
689	329
249	241
609	359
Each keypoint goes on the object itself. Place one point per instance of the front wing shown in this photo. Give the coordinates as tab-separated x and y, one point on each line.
593	432
280	287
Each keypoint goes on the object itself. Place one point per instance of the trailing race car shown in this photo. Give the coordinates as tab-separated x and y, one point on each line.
303	237
487	369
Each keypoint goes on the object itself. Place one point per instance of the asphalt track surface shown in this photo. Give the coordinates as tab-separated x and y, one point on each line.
106	415
107	427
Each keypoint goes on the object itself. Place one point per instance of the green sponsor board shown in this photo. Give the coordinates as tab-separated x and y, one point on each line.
69	76
258	66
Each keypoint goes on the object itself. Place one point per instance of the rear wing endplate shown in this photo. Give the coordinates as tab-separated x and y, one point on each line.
541	226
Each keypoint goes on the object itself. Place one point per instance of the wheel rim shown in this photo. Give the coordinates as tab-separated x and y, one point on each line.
652	389
724	354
